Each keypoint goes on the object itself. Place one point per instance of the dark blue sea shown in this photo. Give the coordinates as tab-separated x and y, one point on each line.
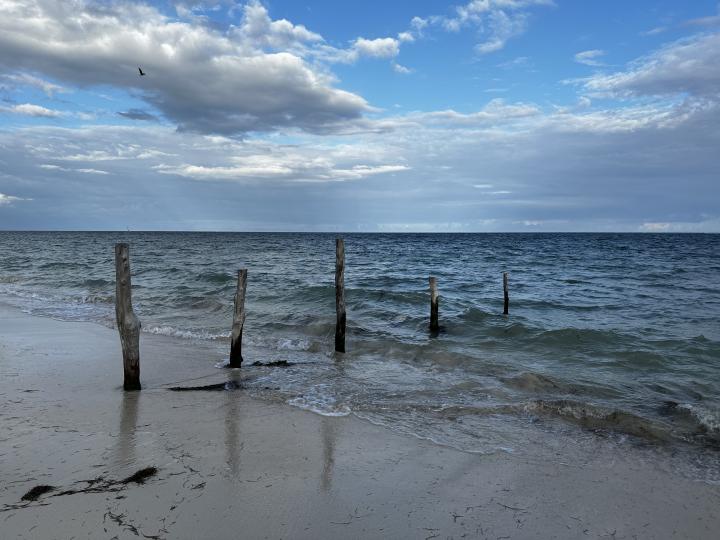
612	337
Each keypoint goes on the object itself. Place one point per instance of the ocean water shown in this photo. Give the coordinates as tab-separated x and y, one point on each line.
612	337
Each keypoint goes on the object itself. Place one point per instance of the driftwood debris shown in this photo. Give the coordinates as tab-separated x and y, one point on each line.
274	363
216	387
127	322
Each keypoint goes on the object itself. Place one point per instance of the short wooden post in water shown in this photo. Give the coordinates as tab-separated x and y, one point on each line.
340	295
434	325
127	322
506	310
238	320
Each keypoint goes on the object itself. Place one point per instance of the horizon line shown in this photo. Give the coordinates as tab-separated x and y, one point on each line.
183	231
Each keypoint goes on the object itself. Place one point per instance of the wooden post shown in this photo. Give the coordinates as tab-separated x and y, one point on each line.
340	295
127	322
434	325
506	310
238	320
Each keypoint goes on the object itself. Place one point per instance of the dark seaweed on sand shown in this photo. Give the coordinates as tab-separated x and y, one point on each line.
35	493
97	485
140	476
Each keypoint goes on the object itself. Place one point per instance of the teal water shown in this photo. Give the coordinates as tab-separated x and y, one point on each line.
611	335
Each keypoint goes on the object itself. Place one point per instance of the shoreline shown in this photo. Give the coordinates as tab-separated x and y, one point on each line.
231	464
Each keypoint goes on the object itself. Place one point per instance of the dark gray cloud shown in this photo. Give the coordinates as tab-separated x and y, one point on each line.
137	114
644	168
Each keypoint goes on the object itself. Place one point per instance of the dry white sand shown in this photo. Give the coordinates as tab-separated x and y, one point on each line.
230	466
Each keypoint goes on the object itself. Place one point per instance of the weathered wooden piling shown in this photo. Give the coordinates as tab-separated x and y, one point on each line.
127	322
434	299
238	320
506	309
340	295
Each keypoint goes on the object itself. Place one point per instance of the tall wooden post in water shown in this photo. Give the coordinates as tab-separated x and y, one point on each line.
127	322
506	309
340	295
238	320
434	324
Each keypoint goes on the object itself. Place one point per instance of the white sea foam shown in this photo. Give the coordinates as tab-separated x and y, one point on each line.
288	344
320	409
186	334
97	299
319	401
706	417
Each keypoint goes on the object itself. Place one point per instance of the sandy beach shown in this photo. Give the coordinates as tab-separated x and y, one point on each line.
319	270
232	466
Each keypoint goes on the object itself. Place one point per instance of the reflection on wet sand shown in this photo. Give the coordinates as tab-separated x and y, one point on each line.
328	429
125	449
233	447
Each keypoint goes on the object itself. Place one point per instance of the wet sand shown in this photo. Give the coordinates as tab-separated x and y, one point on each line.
232	466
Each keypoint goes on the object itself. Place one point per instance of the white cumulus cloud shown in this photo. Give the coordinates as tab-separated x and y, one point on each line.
590	58
29	109
259	30
21	79
690	65
203	79
380	48
495	21
7	200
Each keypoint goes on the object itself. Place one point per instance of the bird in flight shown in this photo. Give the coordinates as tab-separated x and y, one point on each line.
142	73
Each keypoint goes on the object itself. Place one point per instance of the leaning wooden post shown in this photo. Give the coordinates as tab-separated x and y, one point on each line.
506	310
434	325
238	320
340	295
127	322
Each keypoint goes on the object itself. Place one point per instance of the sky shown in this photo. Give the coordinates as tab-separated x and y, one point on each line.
319	115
